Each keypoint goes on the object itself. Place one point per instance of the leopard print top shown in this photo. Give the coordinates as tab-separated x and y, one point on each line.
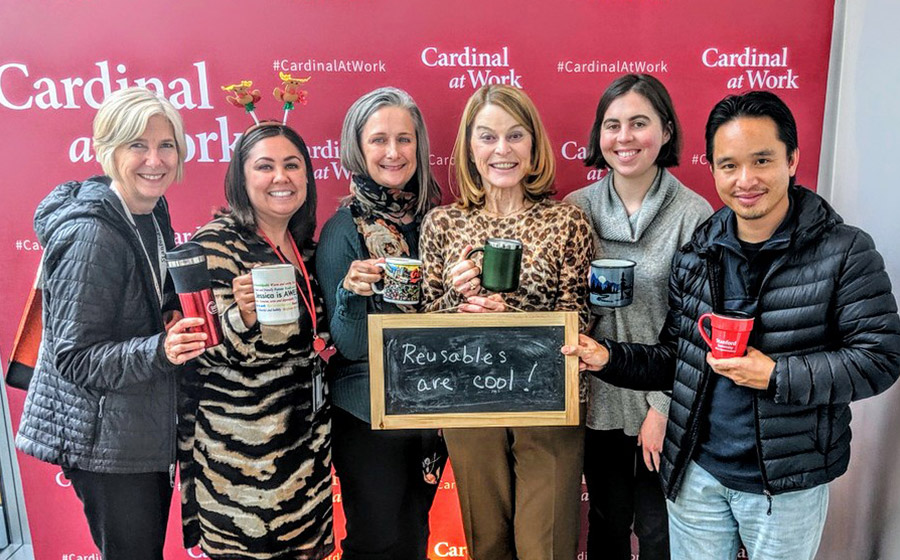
556	255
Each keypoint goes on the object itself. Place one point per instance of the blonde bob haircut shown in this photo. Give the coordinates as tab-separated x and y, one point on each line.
123	117
538	182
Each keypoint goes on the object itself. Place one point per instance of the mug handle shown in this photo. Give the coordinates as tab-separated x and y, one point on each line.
472	252
702	329
375	287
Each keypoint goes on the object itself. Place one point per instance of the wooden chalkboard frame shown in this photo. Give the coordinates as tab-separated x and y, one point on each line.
382	420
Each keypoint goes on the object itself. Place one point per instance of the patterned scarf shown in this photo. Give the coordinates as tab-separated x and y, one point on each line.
377	212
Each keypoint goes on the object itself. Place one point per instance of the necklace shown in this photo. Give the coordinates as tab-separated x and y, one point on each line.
160	248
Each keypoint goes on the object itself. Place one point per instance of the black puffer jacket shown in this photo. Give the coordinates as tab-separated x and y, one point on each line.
103	394
827	317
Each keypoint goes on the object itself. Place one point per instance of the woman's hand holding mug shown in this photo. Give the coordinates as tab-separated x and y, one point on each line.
181	345
242	287
362	275
465	275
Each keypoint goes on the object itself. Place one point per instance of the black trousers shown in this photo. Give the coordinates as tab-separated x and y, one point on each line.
385	497
622	491
127	513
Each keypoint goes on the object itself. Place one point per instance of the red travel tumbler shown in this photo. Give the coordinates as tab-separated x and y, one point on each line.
187	265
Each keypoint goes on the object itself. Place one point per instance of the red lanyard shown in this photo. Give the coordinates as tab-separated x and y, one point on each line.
318	343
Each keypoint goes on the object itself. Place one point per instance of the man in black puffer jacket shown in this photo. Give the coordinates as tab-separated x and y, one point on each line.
752	441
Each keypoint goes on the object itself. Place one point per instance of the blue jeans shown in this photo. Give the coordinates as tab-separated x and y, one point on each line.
708	521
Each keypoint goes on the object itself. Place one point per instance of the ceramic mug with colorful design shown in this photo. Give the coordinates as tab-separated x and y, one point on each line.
502	264
402	281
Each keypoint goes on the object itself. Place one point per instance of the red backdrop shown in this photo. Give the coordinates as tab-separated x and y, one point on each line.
58	60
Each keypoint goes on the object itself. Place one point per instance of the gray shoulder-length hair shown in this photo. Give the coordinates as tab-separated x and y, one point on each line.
353	159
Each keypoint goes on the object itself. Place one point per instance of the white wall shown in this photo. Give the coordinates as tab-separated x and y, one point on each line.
858	176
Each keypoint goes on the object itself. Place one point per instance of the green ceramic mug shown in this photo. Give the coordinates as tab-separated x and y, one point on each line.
501	265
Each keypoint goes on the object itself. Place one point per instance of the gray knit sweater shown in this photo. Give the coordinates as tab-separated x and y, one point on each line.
668	216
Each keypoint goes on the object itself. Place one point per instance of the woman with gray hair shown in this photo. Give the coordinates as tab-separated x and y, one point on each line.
388	479
102	401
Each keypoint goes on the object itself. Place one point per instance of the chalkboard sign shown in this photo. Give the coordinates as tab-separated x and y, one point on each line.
467	370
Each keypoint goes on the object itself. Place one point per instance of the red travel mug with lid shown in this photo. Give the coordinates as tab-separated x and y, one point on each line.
187	265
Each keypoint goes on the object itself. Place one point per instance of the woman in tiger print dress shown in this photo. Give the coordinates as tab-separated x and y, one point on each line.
255	436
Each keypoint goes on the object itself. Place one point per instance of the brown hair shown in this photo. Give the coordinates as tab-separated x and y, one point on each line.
538	182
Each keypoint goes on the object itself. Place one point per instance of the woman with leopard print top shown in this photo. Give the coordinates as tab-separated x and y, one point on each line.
519	488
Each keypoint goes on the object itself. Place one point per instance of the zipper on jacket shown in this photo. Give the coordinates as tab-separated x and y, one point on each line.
98	425
692	431
173	385
680	466
767	491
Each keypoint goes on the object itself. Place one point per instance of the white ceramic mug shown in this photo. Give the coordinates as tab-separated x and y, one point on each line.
275	290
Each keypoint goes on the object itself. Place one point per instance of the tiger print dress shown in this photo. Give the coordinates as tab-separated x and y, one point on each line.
255	457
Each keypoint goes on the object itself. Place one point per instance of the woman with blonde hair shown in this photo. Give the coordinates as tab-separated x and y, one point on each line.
519	488
102	401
